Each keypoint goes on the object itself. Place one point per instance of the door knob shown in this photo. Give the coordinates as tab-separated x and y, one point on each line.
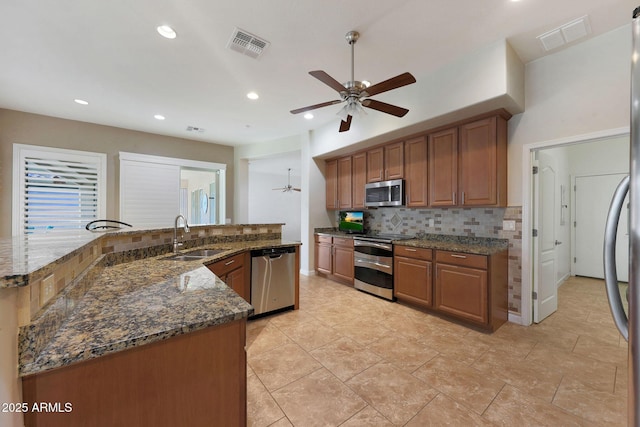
558	243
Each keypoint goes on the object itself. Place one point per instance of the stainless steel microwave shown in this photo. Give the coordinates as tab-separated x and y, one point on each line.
384	193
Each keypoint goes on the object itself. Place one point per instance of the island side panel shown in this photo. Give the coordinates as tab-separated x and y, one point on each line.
198	378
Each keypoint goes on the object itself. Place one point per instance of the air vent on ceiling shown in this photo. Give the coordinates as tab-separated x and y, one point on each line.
194	129
567	33
246	43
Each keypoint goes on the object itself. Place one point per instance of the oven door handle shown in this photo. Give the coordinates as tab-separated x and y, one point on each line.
377	264
374	244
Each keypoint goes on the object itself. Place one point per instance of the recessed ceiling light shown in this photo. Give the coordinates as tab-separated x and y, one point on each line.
166	32
252	95
159	117
81	101
308	116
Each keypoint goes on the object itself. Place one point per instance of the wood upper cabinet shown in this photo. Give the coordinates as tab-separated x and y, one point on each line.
338	183
443	167
483	162
358	179
386	162
415	164
331	181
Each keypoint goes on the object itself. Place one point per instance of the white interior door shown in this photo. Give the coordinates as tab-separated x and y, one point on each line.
545	215
593	195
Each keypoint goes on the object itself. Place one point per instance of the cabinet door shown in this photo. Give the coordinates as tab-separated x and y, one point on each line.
323	258
344	183
478	163
235	280
375	165
415	164
462	292
443	168
331	180
394	161
412	281
343	263
359	179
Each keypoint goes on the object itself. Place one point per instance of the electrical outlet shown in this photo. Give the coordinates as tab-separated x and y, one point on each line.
431	222
47	289
509	225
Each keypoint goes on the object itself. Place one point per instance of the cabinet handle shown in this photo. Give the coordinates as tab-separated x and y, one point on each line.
458	256
454	197
410	250
463	197
230	262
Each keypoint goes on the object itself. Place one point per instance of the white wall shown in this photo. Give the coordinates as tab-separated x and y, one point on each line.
580	90
269	206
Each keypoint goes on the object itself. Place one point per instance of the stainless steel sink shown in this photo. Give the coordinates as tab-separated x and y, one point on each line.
203	253
194	255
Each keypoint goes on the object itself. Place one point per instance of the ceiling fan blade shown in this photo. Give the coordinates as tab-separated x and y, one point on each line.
296	189
313	107
392	83
328	80
385	108
345	124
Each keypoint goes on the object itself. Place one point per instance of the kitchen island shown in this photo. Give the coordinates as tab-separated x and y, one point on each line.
141	339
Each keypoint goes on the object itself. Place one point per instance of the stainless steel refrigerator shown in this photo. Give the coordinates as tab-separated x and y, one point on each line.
628	322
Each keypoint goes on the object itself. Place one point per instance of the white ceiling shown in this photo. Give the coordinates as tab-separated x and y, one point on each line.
110	54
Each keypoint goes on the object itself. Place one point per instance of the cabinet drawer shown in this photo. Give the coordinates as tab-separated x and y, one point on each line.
343	241
323	239
459	258
410	252
221	268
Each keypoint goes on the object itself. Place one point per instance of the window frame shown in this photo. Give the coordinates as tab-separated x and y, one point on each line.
22	151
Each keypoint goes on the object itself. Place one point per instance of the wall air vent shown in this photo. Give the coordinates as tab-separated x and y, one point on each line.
195	129
246	43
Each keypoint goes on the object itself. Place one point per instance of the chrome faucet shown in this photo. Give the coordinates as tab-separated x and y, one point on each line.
175	232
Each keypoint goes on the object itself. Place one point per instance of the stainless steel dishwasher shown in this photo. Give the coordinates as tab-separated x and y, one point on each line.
272	279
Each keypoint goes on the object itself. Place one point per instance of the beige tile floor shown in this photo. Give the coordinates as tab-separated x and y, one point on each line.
350	359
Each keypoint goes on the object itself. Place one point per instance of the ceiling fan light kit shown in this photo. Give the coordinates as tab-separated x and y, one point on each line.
353	92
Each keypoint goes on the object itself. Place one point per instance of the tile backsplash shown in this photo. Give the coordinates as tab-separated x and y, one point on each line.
473	222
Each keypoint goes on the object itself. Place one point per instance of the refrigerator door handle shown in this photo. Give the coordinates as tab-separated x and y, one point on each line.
609	255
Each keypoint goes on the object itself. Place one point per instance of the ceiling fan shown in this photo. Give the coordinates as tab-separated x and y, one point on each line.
353	92
288	187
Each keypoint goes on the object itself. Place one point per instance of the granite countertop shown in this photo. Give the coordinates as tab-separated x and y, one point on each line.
140	302
469	245
466	244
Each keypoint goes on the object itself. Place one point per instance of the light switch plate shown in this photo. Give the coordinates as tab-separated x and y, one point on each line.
431	222
509	225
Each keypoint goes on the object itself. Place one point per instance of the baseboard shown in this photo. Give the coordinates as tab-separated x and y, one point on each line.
307	272
516	318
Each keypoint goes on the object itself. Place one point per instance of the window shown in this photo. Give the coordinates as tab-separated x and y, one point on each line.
154	189
56	189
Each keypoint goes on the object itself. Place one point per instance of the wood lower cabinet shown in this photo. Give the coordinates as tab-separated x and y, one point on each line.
412	275
472	287
236	273
334	258
195	379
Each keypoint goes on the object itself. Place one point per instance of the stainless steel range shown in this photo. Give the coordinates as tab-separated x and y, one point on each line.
373	263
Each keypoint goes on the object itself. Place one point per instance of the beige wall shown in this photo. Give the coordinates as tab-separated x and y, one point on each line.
25	128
